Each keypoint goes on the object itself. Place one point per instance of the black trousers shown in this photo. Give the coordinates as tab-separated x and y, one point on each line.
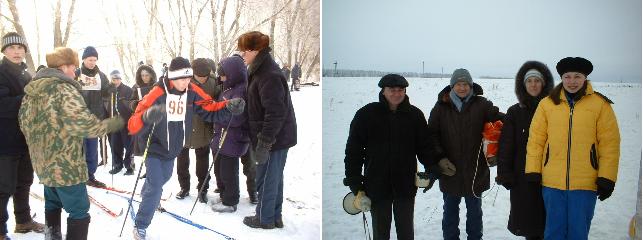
229	176
119	141
401	209
249	169
183	167
16	177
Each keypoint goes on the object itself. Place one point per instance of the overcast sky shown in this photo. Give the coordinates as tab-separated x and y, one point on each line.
491	37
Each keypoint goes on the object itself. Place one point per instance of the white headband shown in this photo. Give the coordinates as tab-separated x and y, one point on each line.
179	73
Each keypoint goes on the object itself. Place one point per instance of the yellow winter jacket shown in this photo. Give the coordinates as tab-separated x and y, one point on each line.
571	147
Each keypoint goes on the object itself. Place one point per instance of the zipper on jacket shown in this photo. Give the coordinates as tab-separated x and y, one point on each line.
569	142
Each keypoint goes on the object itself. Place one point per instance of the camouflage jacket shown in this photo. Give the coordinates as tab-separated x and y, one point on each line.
54	120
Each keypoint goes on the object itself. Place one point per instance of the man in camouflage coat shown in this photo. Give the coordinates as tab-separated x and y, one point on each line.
55	120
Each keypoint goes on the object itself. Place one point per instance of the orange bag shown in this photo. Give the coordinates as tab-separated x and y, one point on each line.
490	137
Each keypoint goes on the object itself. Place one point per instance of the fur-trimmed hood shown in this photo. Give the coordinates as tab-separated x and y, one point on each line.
139	80
521	92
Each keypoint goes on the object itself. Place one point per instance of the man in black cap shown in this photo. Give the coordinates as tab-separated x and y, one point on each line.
16	172
384	141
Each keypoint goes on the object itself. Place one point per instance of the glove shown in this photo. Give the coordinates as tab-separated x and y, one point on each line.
362	202
506	182
446	167
236	105
424	176
261	152
154	114
356	188
492	161
111	89
604	188
114	124
354	183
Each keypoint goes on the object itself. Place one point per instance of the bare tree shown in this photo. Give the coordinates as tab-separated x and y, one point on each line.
192	23
60	38
16	24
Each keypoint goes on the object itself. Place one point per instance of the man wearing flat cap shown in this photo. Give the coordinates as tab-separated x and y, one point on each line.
384	141
573	151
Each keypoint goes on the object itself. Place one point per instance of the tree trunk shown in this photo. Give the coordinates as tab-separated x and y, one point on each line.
21	31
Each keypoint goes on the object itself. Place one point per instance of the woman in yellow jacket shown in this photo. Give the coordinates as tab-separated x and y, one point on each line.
573	150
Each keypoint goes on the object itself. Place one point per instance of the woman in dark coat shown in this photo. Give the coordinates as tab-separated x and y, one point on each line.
145	79
527	215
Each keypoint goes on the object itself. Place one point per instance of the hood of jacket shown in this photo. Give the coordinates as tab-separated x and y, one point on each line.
45	80
139	80
521	93
235	71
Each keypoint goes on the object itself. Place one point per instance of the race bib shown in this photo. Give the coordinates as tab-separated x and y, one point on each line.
90	83
175	107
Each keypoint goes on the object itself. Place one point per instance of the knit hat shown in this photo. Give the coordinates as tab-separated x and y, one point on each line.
393	80
179	68
574	64
534	73
13	38
201	67
62	56
90	52
115	74
461	75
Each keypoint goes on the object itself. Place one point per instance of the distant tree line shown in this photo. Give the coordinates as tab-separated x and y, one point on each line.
372	73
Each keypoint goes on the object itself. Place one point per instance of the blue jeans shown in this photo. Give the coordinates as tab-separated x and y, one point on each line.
569	213
451	217
72	198
158	173
91	156
270	186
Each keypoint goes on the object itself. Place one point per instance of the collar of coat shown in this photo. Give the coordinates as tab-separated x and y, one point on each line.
404	106
443	96
558	95
259	59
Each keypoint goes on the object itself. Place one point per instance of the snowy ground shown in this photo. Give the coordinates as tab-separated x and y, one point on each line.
342	97
302	195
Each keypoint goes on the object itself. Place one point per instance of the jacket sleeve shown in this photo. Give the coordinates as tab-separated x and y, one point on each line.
434	125
355	150
241	119
207	108
493	113
537	139
609	139
9	105
272	94
506	148
76	118
135	122
422	142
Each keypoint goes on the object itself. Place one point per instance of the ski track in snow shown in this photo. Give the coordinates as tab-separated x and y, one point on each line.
342	97
301	206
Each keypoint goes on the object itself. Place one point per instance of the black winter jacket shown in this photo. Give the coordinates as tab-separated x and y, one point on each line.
386	144
13	78
270	110
458	136
95	98
527	215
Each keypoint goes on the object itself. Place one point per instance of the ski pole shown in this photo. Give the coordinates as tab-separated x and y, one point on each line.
207	176
112	115
140	168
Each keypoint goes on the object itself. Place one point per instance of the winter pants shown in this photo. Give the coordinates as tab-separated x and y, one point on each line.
16	177
451	217
250	172
229	175
569	213
270	186
202	165
402	211
72	198
91	156
118	141
159	172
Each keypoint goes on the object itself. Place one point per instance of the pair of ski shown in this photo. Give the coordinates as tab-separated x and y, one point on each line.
128	192
91	199
174	215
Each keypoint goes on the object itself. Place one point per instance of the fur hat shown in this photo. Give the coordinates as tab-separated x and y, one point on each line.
90	52
201	67
62	56
115	74
393	80
574	64
461	75
179	68
13	38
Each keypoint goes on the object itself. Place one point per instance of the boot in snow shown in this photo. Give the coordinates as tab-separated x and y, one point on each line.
52	220
77	229
220	207
139	233
30	226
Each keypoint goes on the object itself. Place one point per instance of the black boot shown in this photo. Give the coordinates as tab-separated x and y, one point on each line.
77	228
253	197
52	230
183	193
203	197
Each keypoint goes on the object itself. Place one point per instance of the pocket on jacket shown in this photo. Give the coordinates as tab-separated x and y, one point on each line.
547	156
593	158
